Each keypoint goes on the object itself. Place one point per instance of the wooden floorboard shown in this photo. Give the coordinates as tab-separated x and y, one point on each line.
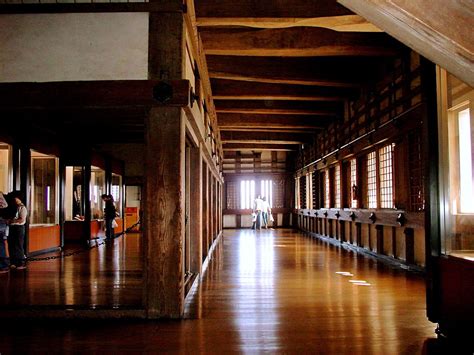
269	291
107	276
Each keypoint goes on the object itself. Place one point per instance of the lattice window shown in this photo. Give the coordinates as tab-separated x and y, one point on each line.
232	195
279	194
266	190
415	164
327	188
247	194
315	190
354	184
372	180
386	176
303	192
337	186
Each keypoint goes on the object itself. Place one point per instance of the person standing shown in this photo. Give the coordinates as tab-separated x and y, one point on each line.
109	215
266	211
4	262
16	235
258	207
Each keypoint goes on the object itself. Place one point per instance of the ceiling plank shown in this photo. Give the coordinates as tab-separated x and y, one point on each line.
259	147
347	23
269	8
236	120
265	137
323	71
295	42
244	90
279	107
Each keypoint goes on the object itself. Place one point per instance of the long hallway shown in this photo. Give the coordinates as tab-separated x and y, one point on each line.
269	291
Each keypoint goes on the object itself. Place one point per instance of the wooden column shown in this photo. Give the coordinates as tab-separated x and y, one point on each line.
196	210
409	245
342	231
379	229
164	212
205	210
358	234
165	175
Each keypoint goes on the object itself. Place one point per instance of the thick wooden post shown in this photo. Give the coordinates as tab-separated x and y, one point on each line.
205	210
196	210
164	214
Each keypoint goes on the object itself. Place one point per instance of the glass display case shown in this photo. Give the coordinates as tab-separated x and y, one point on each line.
5	168
116	192
44	186
97	189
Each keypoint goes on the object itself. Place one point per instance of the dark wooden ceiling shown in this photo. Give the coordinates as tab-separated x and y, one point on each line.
283	70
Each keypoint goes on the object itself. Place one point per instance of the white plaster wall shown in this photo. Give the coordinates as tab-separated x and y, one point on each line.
69	47
229	221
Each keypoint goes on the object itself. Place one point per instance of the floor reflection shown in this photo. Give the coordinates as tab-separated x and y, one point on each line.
107	276
269	291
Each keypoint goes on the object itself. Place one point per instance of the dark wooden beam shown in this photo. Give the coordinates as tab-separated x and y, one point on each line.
264	137
296	42
269	8
38	8
94	94
311	130
245	90
238	120
260	147
279	107
323	71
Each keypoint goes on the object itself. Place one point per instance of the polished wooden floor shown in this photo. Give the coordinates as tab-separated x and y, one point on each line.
107	276
269	291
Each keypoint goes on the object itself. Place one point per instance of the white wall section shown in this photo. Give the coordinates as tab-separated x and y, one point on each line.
70	47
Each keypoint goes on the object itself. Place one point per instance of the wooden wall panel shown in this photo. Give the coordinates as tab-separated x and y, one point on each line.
43	237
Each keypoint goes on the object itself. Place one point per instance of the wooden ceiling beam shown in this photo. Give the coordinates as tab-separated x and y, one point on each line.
347	23
296	42
94	94
265	137
236	120
269	8
322	71
279	107
279	14
244	90
312	130
259	147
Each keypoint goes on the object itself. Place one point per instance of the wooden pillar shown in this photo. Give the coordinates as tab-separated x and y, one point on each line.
211	209
205	211
164	212
394	242
379	229
359	234
342	231
409	245
165	175
196	210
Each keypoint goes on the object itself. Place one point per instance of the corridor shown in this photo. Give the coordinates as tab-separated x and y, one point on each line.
269	291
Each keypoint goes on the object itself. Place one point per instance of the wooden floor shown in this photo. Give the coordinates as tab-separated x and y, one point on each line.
264	292
108	276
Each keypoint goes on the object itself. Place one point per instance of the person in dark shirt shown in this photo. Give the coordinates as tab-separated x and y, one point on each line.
109	215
